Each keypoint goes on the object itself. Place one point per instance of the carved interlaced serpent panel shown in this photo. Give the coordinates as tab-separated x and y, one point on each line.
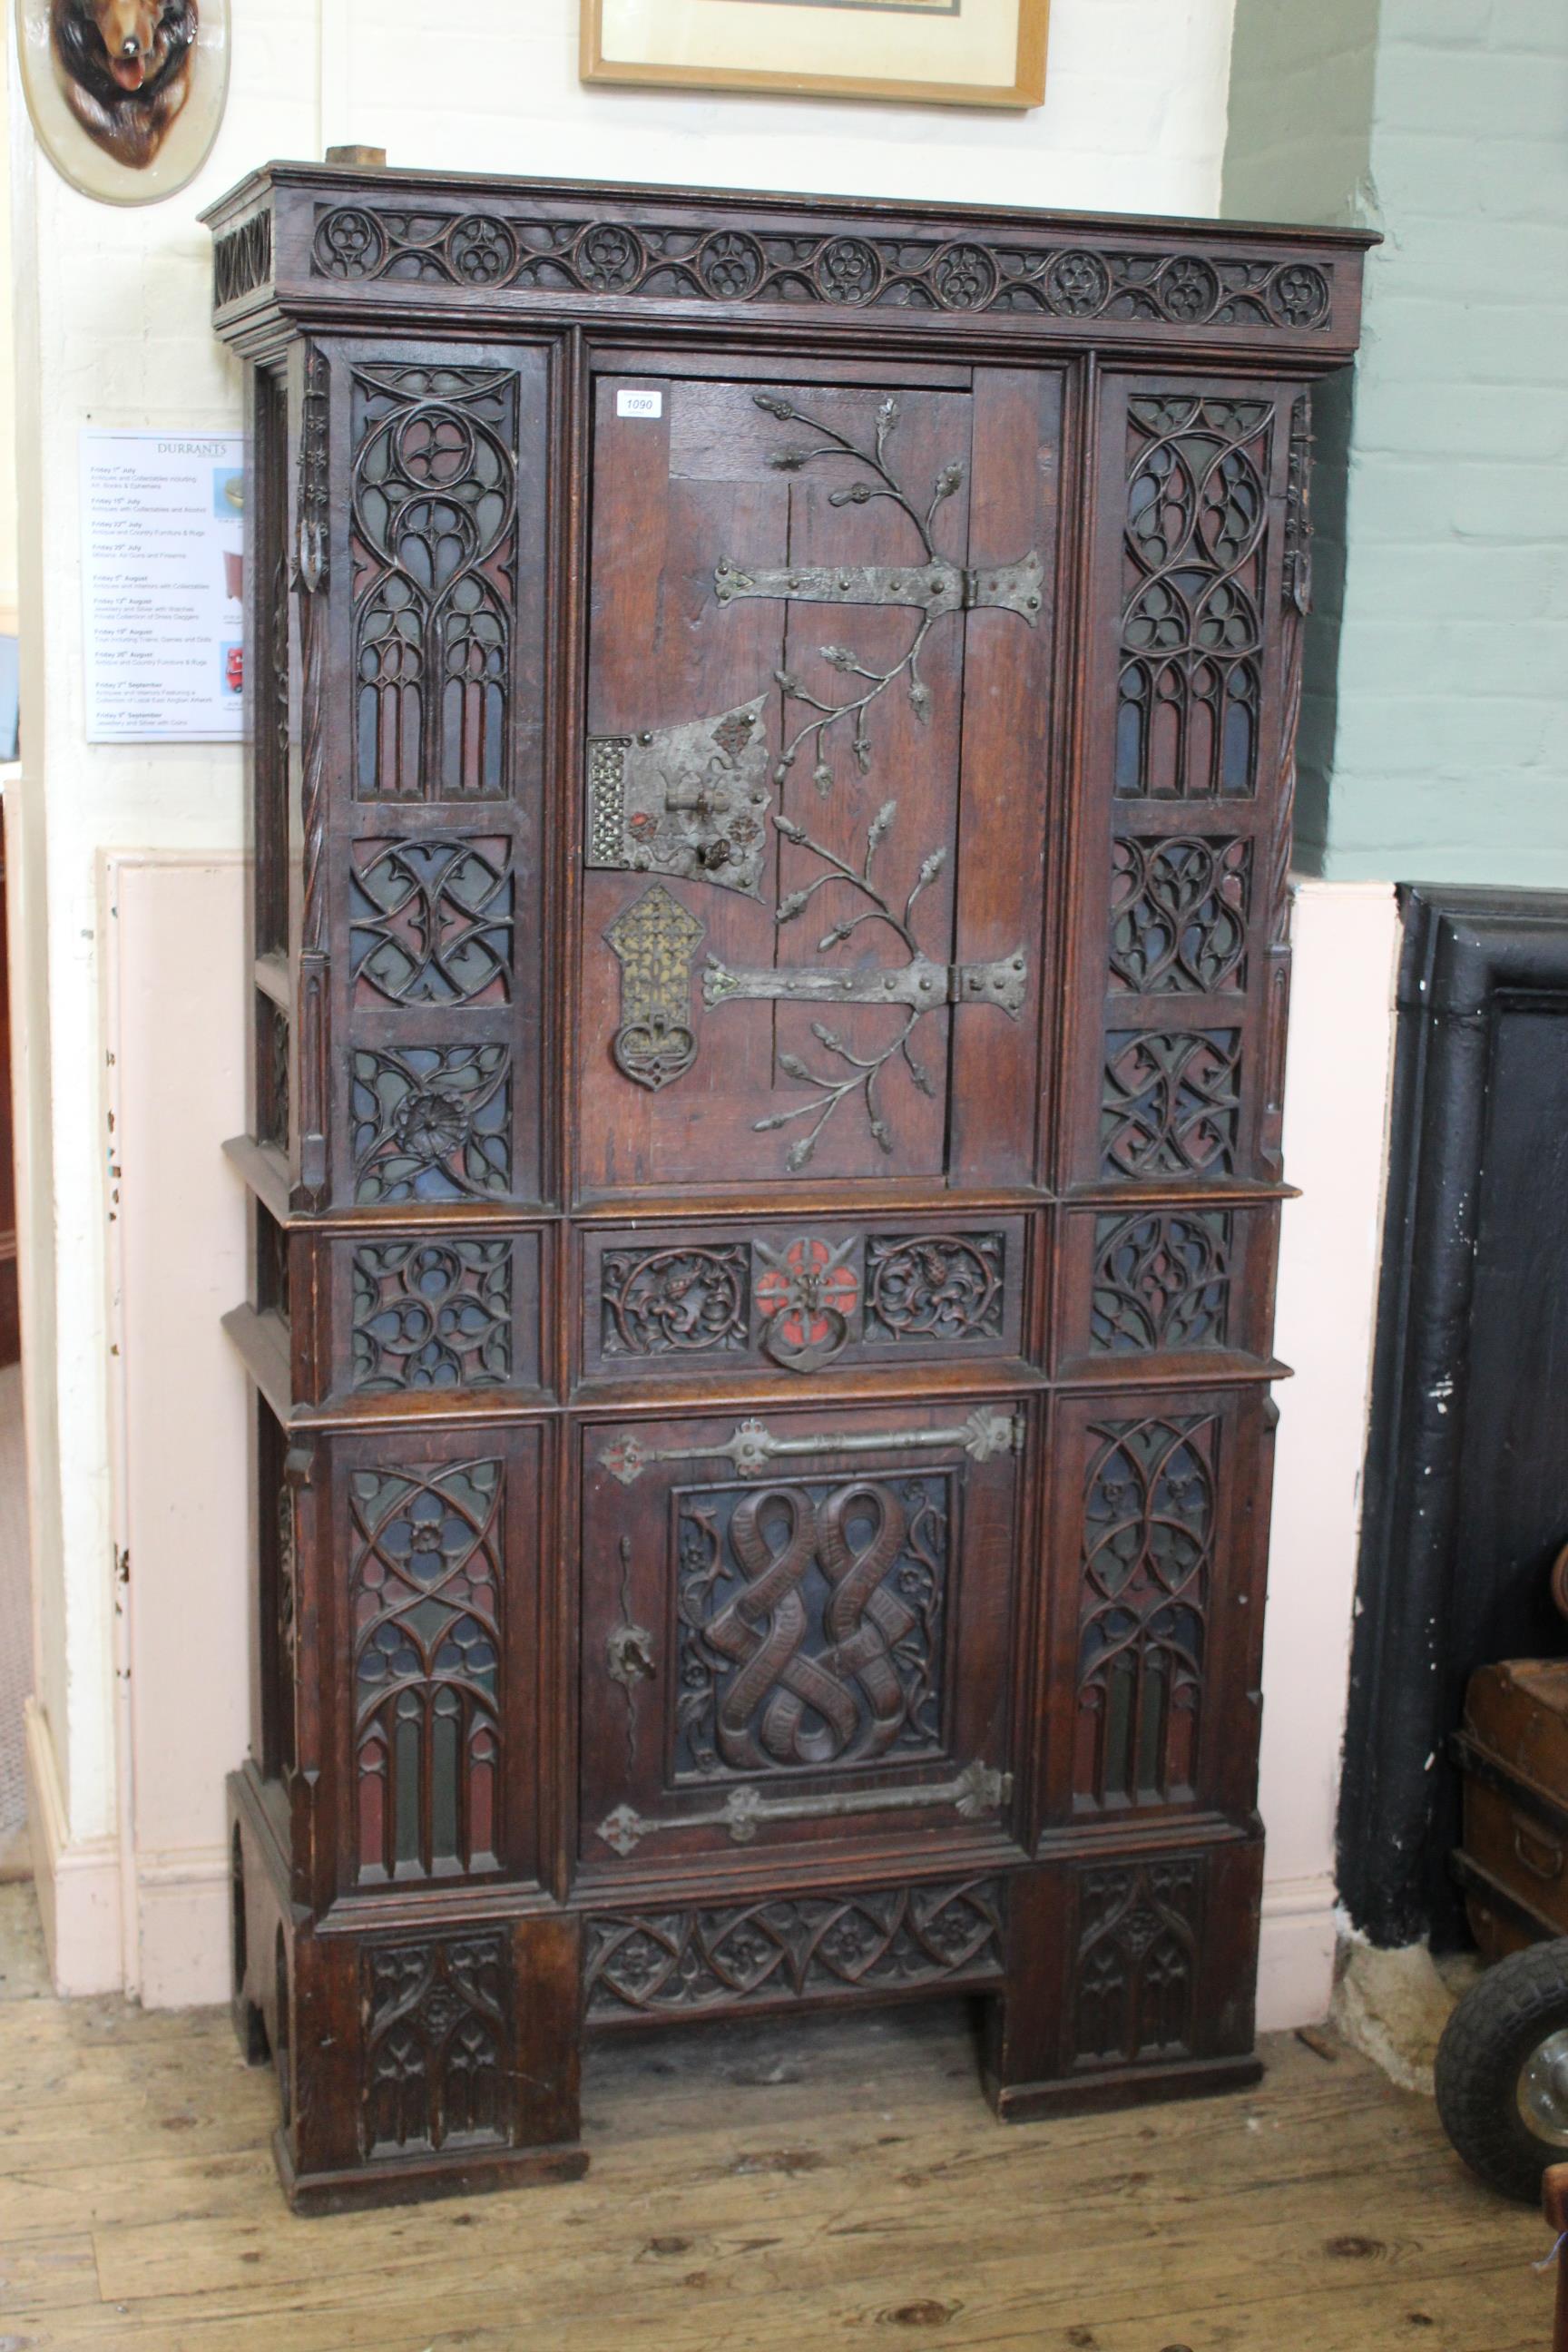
782	1950
437	2043
430	920
431	1122
1161	1281
1196	577
424	1607
1171	1103
811	1619
431	1314
1179	912
670	260
1137	1961
433	535
1149	1528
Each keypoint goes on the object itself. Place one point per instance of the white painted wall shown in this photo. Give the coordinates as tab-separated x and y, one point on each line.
1133	121
113	330
1346	938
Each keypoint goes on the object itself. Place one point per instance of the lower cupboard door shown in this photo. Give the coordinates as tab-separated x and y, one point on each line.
797	1630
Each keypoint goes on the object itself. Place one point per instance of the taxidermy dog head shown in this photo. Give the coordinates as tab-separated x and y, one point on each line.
125	69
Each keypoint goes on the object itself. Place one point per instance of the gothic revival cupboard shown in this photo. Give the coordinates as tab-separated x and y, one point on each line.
771	752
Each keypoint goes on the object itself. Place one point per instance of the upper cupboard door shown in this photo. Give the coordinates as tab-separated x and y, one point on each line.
816	778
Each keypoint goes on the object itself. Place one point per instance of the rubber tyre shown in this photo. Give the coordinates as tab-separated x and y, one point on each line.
1486	2043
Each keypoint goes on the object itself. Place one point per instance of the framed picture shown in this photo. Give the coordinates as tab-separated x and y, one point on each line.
126	96
943	52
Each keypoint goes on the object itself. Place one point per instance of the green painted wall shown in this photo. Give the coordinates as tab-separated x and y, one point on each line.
1435	731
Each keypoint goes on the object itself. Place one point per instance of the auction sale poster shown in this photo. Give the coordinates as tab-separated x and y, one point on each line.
162	547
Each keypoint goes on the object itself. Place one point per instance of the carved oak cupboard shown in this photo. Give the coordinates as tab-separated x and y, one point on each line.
772	751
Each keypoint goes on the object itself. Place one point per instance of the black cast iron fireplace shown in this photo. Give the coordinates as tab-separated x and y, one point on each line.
1467	1473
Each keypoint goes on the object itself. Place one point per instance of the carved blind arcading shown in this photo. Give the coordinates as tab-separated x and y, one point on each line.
1149	1530
1137	1962
426	1605
438	2036
432	545
1195	580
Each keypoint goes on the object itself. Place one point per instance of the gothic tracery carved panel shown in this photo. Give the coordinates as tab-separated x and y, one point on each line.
431	1122
1179	911
1171	1103
1161	1281
783	1949
431	1314
431	920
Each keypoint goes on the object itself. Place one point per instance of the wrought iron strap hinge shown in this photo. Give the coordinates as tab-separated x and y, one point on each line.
974	1792
930	587
920	983
753	1446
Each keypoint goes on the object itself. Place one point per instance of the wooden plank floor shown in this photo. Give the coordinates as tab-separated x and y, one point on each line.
753	2189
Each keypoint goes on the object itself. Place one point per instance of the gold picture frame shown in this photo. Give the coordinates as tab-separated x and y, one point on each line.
955	52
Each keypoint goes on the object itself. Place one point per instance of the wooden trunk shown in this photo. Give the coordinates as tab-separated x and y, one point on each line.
1513	1754
772	759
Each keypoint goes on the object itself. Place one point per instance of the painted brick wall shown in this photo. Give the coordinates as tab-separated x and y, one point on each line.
1442	753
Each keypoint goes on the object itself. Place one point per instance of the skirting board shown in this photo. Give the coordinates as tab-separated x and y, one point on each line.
183	1911
79	1885
1296	1954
